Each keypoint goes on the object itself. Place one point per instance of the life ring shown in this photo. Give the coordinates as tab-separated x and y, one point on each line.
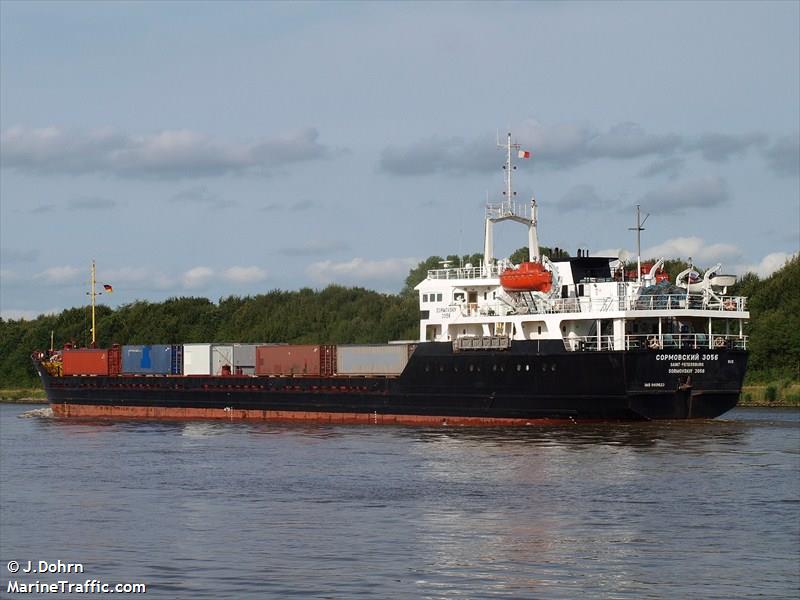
652	343
729	305
719	342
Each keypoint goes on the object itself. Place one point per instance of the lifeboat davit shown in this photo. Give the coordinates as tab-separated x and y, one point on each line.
661	275
528	277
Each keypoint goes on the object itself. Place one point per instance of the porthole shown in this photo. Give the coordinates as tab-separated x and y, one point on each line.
527	367
441	368
544	367
494	368
519	368
427	368
471	368
553	368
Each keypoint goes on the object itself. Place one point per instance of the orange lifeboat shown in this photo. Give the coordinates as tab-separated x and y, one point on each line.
661	275
528	277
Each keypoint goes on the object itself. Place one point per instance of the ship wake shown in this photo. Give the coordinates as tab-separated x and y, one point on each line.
39	413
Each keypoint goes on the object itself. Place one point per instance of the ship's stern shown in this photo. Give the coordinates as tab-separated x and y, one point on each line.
684	383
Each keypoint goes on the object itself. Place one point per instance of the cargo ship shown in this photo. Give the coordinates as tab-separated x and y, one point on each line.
554	338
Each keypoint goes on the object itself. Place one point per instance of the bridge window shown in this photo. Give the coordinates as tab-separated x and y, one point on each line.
424	297
438	297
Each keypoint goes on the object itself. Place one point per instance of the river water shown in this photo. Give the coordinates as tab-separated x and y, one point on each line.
705	509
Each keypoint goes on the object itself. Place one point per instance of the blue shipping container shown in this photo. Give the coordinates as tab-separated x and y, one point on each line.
152	359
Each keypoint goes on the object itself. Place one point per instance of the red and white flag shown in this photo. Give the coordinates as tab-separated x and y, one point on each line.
524	154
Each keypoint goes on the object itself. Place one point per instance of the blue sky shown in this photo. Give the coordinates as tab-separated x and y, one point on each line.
231	148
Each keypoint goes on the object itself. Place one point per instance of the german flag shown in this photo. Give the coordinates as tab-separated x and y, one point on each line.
108	288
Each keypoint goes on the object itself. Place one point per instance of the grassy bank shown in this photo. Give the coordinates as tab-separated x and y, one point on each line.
779	393
23	396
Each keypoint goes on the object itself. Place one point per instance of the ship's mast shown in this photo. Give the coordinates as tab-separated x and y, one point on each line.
509	167
93	294
639	229
507	210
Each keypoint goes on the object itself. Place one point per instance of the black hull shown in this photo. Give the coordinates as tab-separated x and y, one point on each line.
528	382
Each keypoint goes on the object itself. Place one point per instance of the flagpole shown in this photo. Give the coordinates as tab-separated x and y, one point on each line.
93	294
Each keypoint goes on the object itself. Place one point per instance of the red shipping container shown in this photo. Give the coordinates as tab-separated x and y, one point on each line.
114	360
288	360
87	361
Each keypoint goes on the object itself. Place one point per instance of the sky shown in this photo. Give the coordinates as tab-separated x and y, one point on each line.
222	148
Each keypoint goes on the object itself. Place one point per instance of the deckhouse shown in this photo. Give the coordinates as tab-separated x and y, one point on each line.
588	302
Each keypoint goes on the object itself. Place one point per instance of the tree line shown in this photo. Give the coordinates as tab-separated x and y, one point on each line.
342	315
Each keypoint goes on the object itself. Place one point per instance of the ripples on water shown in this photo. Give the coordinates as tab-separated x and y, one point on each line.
707	509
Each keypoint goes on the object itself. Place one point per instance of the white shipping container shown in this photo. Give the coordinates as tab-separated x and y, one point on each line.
371	360
244	355
221	355
197	359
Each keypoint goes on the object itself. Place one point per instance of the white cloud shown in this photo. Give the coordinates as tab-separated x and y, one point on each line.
312	247
14	255
582	197
767	266
197	277
7	276
671	167
620	253
630	140
783	157
91	203
702	192
719	147
60	275
200	195
361	270
560	145
694	247
165	154
244	274
138	278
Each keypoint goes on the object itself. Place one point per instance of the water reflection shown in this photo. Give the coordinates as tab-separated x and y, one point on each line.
221	509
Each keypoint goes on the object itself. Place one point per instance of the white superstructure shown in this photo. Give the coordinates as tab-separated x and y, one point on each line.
591	304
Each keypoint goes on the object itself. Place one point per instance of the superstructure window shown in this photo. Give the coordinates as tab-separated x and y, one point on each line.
438	297
424	297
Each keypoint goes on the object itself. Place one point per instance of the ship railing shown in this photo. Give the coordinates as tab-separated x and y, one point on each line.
686	341
688	301
463	273
584	304
665	341
589	343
